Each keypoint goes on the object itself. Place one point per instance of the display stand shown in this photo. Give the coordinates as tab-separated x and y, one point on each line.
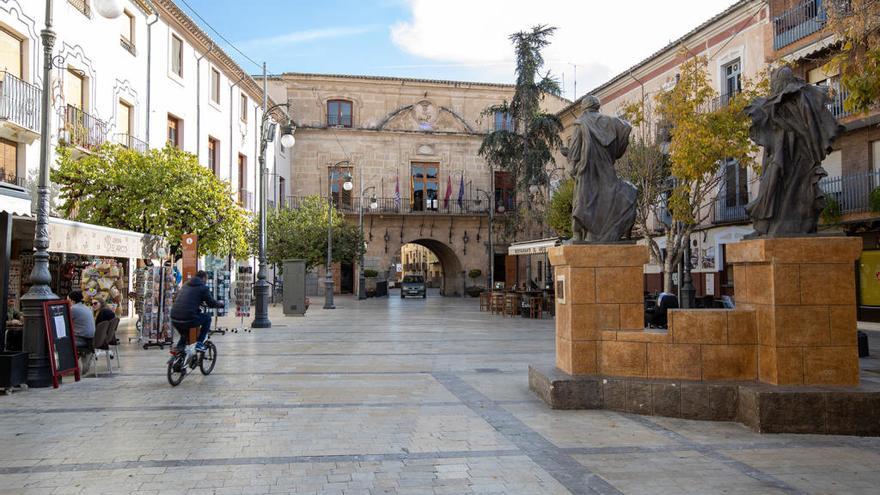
244	287
218	284
156	293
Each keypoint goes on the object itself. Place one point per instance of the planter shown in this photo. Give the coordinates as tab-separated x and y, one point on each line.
474	291
13	368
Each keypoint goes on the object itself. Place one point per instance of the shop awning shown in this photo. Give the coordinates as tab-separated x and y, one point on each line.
67	236
14	200
539	246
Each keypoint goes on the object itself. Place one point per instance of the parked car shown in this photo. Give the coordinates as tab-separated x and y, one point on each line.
413	285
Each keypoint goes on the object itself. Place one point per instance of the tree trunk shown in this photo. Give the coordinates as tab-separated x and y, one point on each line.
668	270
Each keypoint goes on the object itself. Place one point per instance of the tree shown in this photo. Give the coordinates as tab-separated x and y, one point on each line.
302	233
161	192
525	148
857	24
706	132
559	212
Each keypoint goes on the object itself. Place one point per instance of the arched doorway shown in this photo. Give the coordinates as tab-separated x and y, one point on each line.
441	267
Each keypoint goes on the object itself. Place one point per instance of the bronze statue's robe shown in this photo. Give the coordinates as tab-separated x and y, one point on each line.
603	205
796	130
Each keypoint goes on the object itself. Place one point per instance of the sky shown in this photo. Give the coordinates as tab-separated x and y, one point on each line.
463	40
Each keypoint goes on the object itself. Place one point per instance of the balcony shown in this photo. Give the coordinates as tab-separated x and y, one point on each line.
721	101
82	130
131	142
852	192
20	107
839	94
10	177
82	6
392	206
246	199
798	22
726	212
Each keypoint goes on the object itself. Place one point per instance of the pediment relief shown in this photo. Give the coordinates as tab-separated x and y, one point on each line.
424	116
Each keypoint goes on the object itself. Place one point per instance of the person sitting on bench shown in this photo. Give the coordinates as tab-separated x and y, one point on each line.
186	311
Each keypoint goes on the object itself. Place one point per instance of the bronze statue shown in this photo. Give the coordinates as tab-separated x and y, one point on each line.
796	130
603	206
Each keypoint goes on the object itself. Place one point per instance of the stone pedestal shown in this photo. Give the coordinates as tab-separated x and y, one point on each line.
599	291
802	291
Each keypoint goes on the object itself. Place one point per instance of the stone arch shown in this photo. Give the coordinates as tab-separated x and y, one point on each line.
453	275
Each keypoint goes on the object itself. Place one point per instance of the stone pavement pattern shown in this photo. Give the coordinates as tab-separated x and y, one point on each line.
387	396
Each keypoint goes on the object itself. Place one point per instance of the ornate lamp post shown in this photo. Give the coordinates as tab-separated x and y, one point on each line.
34	335
267	135
328	278
362	280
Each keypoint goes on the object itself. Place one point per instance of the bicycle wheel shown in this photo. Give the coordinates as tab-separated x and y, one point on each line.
209	358
175	377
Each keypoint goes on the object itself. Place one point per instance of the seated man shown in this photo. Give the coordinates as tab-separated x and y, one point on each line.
83	322
186	311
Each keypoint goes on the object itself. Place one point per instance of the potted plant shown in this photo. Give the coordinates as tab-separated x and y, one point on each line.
370	280
474	290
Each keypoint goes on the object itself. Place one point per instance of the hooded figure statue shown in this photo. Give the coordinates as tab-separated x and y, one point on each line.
796	130
603	205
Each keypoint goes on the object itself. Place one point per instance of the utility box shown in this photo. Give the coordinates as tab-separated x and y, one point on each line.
294	285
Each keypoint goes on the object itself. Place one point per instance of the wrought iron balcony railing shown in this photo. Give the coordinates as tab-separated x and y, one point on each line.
726	211
20	102
82	6
851	192
83	130
404	206
131	142
11	177
798	22
246	199
839	94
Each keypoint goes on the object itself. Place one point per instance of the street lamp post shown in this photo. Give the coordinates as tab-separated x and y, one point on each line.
328	276
491	247
267	134
34	333
362	280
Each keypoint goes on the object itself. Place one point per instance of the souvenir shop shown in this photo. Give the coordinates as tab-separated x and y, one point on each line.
100	261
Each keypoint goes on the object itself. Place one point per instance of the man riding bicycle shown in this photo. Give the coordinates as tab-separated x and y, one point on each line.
186	311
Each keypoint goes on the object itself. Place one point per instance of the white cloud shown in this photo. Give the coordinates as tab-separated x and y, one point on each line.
306	36
602	37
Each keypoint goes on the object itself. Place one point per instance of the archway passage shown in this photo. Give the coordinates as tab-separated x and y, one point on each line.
437	262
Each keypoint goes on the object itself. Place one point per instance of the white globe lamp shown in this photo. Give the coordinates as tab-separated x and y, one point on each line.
111	9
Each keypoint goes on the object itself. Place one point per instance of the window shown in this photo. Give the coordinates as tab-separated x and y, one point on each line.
338	177
8	160
242	180
123	120
732	80
10	53
213	154
215	85
425	186
504	191
503	121
126	31
74	87
339	113
176	56
175	127
736	185
244	107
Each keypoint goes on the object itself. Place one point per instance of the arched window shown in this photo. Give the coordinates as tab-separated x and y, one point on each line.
339	113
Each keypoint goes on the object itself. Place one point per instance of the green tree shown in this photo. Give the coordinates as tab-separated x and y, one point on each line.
857	25
706	133
525	148
302	233
559	212
162	192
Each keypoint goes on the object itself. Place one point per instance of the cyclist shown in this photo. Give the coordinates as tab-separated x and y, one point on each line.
186	311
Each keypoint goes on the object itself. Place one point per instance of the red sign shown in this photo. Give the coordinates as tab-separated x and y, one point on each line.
190	246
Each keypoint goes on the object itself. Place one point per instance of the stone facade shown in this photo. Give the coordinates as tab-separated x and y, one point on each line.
397	124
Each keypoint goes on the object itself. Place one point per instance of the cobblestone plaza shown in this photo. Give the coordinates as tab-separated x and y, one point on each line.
387	396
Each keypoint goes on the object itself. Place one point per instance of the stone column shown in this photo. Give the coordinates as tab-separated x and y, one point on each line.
599	290
803	292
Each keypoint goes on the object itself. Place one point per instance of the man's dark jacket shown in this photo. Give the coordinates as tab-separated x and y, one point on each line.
192	295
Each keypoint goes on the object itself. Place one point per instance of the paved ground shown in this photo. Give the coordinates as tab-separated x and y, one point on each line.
387	396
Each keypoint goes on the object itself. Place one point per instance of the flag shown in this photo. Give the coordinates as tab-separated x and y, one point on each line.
461	192
448	192
397	193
